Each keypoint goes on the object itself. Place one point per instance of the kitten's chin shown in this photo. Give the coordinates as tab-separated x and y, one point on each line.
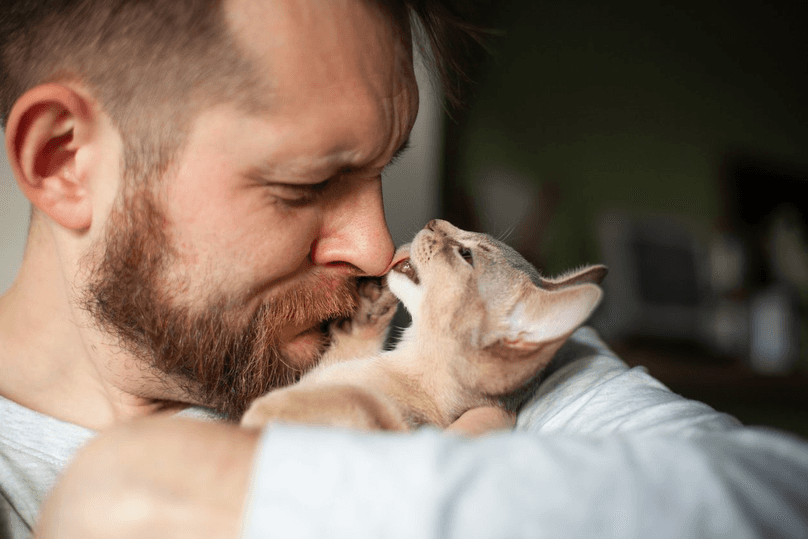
405	290
403	280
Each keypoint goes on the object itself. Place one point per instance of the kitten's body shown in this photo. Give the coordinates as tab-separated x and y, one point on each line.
484	325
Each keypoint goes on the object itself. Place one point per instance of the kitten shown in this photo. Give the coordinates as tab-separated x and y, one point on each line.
484	325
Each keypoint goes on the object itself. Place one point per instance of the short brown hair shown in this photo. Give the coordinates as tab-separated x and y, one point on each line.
147	62
152	63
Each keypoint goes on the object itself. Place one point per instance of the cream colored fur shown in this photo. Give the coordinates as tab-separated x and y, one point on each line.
484	324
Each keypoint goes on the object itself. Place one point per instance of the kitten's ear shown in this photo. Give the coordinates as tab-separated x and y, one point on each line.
588	274
538	324
542	316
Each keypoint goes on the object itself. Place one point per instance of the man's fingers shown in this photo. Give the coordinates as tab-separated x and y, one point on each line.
483	420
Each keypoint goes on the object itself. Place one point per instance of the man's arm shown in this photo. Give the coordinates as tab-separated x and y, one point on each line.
605	451
172	478
733	484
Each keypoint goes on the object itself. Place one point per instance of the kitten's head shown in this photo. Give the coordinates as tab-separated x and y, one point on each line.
477	298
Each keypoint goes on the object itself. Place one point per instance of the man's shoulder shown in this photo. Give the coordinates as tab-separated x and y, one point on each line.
591	391
33	450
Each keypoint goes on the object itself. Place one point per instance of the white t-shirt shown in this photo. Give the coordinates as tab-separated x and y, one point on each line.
601	450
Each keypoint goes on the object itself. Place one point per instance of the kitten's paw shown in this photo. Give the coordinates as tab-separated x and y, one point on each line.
365	332
377	305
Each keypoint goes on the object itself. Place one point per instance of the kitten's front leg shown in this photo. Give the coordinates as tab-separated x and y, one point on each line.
333	403
364	333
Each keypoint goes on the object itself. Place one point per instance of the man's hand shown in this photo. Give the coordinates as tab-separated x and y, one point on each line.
155	478
174	478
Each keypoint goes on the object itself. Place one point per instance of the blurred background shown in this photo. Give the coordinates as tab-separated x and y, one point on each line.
669	142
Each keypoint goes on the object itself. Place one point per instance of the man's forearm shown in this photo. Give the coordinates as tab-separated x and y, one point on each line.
737	483
172	478
156	478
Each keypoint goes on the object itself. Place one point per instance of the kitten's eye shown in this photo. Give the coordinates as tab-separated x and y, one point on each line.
465	252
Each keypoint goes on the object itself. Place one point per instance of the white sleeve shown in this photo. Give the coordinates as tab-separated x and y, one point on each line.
592	391
602	451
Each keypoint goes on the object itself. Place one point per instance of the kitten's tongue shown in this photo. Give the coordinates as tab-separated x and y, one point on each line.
404	267
401	264
402	254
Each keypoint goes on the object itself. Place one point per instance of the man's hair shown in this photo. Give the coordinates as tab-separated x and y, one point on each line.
152	64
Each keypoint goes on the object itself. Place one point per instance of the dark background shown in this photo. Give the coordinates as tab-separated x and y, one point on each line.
693	114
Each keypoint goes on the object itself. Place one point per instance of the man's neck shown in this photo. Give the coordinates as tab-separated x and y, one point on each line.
53	360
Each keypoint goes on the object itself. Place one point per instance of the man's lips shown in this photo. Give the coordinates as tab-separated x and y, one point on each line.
293	332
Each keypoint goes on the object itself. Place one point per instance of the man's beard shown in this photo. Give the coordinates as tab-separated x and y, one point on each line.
219	355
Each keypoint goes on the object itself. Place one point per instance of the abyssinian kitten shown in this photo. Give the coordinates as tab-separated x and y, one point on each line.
484	325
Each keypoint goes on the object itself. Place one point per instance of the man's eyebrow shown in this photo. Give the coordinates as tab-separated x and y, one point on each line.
269	171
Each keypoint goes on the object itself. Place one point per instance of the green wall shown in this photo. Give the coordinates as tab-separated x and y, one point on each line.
635	105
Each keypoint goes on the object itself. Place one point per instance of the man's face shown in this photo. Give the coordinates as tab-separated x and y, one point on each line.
256	234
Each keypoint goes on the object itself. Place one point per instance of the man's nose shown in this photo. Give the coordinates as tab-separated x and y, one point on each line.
354	232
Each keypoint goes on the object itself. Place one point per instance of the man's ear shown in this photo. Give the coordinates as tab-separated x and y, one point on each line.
47	127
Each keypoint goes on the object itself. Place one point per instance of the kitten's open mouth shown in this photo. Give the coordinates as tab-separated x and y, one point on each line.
405	267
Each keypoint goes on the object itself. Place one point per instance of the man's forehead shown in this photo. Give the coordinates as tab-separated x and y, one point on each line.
320	34
339	77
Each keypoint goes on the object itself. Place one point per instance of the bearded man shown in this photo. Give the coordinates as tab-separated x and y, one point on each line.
205	223
205	178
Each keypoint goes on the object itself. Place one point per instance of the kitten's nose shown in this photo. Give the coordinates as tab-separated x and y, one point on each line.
439	225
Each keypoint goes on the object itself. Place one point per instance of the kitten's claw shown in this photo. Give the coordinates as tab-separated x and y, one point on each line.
371	288
376	308
377	303
365	332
